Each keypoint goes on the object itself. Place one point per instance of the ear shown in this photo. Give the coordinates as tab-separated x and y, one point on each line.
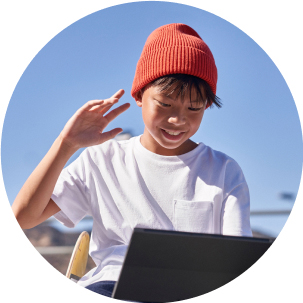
138	98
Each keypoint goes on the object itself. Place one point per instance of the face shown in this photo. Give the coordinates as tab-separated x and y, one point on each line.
169	121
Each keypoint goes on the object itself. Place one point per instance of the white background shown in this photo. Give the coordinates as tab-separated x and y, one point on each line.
26	26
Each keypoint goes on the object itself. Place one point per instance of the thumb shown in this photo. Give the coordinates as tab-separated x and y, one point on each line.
110	134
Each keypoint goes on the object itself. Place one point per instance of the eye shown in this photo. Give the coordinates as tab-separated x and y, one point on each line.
164	104
195	109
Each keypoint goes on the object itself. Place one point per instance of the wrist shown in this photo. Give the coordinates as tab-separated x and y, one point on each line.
65	146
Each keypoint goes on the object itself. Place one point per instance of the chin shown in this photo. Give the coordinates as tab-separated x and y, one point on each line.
171	145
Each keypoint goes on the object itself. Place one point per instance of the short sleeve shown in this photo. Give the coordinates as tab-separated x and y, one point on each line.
236	204
71	194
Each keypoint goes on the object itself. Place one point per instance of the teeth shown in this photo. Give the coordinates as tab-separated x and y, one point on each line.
173	133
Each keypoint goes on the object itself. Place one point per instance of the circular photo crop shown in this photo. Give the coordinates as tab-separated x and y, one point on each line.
116	196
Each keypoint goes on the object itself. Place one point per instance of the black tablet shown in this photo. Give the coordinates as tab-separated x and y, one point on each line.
166	266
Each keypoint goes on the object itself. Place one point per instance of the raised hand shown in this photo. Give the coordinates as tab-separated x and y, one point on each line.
86	126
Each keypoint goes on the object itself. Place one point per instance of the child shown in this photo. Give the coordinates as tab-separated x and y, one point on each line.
159	180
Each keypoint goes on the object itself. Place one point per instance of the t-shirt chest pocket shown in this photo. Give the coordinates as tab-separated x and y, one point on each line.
192	216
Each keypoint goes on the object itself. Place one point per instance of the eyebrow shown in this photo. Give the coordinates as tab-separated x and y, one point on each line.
168	96
196	101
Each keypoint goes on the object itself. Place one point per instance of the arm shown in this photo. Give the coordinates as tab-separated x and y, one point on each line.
33	204
236	212
236	204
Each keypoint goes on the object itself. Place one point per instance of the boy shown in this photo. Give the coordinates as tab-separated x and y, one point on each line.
159	180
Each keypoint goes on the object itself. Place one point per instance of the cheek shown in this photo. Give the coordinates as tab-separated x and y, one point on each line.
196	121
148	117
151	114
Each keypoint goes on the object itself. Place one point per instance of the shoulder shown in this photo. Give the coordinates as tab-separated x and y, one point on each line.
110	148
218	161
95	157
216	156
225	170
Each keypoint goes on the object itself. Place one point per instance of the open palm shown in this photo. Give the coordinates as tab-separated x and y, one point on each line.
86	126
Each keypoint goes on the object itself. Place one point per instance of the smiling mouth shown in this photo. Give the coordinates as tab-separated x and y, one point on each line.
172	133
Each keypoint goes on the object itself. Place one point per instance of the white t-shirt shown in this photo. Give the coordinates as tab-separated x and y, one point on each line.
122	185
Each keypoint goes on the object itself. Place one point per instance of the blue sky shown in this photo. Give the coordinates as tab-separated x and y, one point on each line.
92	58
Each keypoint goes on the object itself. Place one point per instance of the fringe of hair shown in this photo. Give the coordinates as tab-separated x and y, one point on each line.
182	83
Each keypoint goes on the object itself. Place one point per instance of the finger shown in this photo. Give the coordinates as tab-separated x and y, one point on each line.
90	104
96	105
118	94
116	112
106	109
110	134
105	106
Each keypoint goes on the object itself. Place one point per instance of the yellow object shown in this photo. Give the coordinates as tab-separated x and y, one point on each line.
78	261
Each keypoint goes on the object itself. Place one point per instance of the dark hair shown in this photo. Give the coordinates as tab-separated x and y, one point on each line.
183	83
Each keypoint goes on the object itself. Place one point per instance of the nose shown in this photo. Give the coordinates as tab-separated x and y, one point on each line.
177	118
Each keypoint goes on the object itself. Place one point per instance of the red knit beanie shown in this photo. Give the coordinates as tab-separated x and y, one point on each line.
174	49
